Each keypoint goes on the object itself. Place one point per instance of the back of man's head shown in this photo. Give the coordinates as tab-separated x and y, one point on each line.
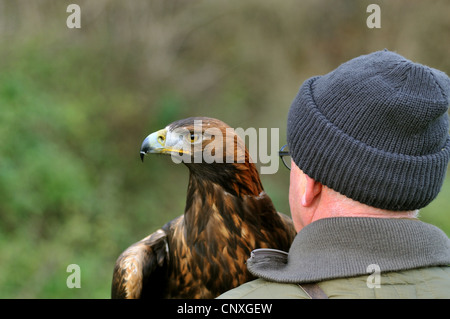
375	130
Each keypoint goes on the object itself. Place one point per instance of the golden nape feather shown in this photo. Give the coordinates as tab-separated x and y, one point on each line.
202	253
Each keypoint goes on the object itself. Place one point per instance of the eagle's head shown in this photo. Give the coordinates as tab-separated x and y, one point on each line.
208	147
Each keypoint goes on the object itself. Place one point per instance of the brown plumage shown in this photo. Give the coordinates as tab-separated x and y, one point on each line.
202	253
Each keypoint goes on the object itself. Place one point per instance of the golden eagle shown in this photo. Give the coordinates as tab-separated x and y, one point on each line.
202	253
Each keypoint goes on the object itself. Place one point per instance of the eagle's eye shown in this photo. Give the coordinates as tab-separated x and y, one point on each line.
193	137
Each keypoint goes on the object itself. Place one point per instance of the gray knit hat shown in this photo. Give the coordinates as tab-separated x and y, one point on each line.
375	129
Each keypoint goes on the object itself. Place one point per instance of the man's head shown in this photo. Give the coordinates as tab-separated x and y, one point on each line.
375	130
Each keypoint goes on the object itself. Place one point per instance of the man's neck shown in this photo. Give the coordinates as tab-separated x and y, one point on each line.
334	204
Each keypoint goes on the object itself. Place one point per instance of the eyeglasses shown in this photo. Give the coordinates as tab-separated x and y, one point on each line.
285	157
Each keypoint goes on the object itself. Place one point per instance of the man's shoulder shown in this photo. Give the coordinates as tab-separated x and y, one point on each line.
263	289
430	282
421	283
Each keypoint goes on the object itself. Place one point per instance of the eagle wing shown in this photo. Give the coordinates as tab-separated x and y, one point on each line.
141	266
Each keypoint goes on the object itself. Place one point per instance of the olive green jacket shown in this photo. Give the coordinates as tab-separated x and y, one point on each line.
355	258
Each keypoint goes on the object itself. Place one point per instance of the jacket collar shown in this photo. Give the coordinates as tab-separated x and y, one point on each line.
346	246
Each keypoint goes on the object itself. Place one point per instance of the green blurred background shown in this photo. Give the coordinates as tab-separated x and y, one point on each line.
75	105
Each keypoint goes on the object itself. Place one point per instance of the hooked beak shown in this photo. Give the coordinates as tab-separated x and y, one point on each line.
157	143
154	143
142	154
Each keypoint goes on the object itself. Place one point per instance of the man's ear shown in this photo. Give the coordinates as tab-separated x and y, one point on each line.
312	191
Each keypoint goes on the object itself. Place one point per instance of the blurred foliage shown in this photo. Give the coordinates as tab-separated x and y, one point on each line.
75	105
